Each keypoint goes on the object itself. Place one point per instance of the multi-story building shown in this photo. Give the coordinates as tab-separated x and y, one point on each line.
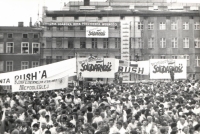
154	29
19	47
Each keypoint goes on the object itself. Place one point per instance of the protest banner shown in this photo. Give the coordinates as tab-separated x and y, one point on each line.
139	67
40	85
160	68
41	72
96	67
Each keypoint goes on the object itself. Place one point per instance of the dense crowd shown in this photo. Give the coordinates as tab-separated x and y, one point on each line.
141	108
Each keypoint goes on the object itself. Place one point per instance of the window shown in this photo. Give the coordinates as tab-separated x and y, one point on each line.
117	57
9	47
35	63
197	43
174	43
162	57
48	59
162	43
70	43
54	18
94	42
99	17
173	26
76	18
10	36
70	57
24	64
174	56
105	56
82	43
151	43
25	47
151	56
162	26
116	27
49	28
196	26
70	28
25	36
150	26
185	42
197	61
36	48
117	42
58	58
1	65
140	43
185	26
9	66
121	17
187	57
35	36
140	26
82	27
105	43
1	47
58	28
58	42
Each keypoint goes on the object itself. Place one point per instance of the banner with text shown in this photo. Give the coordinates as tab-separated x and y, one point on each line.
140	67
160	68
108	24
96	32
40	85
125	41
49	71
96	67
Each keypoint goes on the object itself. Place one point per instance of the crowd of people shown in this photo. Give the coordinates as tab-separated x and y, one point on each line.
157	107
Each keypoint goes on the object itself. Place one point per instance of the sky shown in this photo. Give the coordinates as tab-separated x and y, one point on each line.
14	11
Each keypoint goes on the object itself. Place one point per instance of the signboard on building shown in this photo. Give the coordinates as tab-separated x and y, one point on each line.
125	51
96	32
51	71
96	67
160	68
140	67
108	24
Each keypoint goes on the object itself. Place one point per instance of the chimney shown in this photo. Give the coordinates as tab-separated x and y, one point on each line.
30	23
20	24
86	2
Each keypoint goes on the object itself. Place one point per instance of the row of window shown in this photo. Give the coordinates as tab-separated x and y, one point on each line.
174	26
24	65
174	43
24	48
24	35
140	26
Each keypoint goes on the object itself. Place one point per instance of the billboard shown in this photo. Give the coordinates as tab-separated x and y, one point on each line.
96	67
96	32
160	68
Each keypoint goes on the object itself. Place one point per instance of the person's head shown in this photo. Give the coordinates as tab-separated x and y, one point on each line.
111	122
119	125
35	127
144	122
43	125
47	132
133	120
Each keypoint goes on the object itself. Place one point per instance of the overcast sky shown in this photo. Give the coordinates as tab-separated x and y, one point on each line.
13	11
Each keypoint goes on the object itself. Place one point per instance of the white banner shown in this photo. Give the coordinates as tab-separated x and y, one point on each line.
96	67
42	72
96	32
160	68
40	85
140	67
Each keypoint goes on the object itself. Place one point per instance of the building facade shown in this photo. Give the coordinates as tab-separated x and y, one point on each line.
156	30
19	48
